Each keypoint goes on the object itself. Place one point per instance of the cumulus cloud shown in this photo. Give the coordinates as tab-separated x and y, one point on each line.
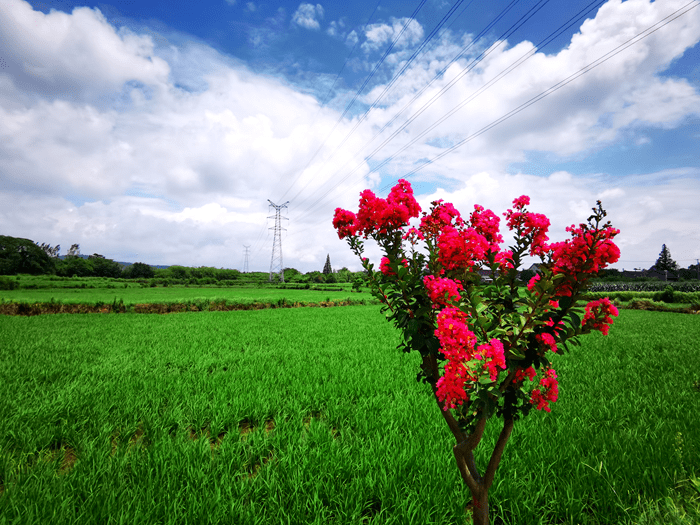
171	150
308	16
75	57
379	34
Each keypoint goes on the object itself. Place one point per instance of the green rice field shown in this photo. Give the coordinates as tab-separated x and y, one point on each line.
135	294
311	416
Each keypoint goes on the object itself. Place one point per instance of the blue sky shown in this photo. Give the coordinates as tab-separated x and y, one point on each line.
157	131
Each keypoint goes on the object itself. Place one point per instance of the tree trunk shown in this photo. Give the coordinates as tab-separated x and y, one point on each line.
464	452
480	512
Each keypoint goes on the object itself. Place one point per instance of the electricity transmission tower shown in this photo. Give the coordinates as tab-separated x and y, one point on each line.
276	261
245	264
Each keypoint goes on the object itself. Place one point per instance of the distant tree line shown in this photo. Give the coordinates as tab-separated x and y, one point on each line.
23	256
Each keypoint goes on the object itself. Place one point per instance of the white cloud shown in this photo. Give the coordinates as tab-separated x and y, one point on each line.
99	146
308	16
378	34
250	6
77	56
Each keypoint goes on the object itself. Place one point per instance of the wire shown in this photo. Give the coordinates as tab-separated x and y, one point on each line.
359	91
604	58
456	57
326	100
524	18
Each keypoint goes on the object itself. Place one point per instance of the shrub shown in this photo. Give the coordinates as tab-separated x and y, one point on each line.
7	284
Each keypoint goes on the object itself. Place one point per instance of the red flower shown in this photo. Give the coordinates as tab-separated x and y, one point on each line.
442	290
344	222
597	316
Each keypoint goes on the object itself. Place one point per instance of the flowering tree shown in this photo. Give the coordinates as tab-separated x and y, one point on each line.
493	337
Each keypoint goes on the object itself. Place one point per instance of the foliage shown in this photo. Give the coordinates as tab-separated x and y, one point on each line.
109	418
327	270
138	270
7	284
664	262
493	336
19	255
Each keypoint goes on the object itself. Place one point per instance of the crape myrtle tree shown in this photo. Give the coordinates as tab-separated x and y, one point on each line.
493	337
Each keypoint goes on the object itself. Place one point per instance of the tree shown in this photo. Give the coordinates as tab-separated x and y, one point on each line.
73	265
664	262
327	268
74	250
51	252
138	270
23	256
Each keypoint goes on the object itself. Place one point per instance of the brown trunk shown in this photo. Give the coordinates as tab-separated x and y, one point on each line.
480	513
464	453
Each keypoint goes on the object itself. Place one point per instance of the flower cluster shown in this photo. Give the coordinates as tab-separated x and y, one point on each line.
549	391
531	225
378	216
461	249
386	269
547	341
441	216
456	340
485	222
587	252
521	374
450	387
597	316
441	290
494	357
344	222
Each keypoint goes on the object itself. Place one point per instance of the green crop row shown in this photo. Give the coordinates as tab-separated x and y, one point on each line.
136	295
312	416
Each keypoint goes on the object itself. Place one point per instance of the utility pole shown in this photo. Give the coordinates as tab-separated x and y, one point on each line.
276	261
245	264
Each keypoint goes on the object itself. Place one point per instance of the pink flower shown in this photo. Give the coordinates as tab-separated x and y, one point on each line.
531	283
461	249
442	290
597	316
442	216
494	357
547	340
450	387
456	340
386	269
485	223
541	397
344	222
521	374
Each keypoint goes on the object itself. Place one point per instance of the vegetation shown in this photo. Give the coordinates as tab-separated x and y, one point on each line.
290	416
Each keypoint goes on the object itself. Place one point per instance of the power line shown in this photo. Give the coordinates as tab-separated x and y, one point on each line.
640	36
326	100
390	85
359	91
531	12
461	52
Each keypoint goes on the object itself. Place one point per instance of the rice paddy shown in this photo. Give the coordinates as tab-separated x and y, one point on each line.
312	416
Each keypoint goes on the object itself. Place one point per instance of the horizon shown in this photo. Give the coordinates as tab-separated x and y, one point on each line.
142	131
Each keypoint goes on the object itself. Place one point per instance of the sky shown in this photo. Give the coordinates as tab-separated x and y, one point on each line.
161	132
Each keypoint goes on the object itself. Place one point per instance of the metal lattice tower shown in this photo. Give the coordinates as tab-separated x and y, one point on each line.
245	264
276	261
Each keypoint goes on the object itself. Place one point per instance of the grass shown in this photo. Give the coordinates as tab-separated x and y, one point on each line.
135	294
312	416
